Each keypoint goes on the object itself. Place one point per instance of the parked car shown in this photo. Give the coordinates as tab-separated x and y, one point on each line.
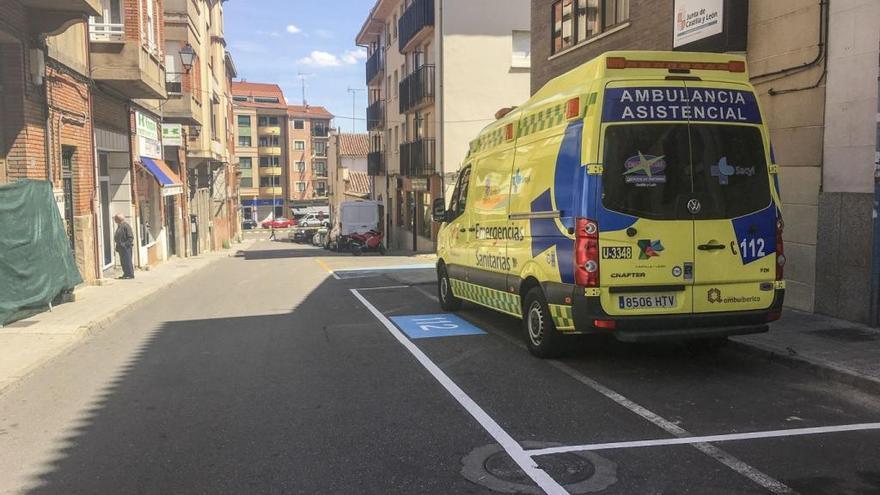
248	224
313	220
279	223
299	235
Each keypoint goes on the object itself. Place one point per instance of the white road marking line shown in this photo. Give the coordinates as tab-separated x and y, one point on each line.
707	439
513	449
386	268
384	287
753	474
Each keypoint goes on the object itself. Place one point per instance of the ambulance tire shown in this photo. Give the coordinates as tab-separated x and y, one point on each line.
448	301
542	338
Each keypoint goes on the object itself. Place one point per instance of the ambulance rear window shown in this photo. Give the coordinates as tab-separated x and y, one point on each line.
647	169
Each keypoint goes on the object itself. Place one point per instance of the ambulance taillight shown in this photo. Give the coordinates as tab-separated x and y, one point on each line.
780	249
586	253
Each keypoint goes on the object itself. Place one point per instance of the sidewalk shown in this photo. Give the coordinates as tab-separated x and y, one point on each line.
838	349
27	344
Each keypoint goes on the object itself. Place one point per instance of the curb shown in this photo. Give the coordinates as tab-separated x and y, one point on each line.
822	369
94	326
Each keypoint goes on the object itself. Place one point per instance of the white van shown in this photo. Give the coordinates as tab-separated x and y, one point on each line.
353	217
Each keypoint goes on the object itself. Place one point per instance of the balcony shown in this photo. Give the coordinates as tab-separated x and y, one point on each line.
106	32
269	130
54	16
319	174
319	154
376	115
182	108
321	132
375	66
270	191
271	171
415	24
417	89
127	67
269	150
417	158
376	163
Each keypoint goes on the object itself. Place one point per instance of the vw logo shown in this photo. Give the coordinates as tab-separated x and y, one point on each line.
694	206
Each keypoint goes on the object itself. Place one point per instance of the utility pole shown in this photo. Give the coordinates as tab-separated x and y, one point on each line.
353	92
302	78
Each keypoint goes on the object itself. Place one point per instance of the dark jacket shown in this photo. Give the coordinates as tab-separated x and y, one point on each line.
124	236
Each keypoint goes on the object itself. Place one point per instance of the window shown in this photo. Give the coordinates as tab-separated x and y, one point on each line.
301	167
173	70
244	121
246	181
459	195
319	167
320	149
522	49
299	124
246	166
270	181
266	99
244	141
151	26
390	91
321	188
301	187
270	161
239	98
109	25
268	121
574	21
246	163
394	27
214	119
299	145
269	141
396	85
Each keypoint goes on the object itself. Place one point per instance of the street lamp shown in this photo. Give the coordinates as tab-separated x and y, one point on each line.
187	57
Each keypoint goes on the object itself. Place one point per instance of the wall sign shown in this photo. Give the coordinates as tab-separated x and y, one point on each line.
172	135
419	184
147	130
696	20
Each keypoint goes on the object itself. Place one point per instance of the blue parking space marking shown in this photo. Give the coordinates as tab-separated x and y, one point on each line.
436	325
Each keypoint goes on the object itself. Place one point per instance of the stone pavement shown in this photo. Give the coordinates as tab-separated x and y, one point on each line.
839	349
27	344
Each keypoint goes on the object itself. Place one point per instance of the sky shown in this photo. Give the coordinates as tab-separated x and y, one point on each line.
274	41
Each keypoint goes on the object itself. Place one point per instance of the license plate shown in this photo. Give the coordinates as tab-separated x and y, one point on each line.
646	302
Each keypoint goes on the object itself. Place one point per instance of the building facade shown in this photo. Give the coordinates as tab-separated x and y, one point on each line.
815	67
437	72
46	112
308	183
349	180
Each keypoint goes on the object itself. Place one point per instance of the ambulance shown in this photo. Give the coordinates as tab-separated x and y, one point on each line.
635	196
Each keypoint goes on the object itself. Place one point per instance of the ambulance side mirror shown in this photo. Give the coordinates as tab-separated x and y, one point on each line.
439	210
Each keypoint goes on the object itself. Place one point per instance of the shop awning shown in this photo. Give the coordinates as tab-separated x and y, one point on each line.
170	182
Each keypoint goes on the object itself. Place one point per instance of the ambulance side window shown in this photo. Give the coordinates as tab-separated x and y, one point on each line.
459	196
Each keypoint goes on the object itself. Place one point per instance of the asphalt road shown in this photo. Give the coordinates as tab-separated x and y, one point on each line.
265	374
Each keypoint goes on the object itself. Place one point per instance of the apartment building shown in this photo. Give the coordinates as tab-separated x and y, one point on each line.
437	72
308	180
261	135
198	123
349	180
46	112
815	66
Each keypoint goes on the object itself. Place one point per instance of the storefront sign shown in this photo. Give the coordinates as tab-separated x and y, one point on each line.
695	104
147	130
262	202
696	20
419	184
172	135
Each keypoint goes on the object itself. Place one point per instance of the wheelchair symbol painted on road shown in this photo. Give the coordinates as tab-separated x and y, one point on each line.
435	325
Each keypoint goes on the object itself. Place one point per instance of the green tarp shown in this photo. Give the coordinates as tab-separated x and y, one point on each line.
36	262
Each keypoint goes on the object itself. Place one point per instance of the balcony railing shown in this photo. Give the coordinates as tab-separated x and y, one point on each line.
375	65
320	131
417	89
417	158
418	16
319	174
105	31
376	115
376	163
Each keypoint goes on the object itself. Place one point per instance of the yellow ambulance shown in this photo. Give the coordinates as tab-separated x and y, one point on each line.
636	195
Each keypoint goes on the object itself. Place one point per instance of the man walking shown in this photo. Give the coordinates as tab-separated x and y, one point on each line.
124	239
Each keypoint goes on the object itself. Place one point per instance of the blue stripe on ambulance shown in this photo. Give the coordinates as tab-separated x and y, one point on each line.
758	228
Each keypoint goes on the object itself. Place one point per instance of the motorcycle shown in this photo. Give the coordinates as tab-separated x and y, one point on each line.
368	241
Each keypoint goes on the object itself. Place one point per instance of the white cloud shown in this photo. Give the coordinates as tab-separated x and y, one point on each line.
353	56
320	58
293	29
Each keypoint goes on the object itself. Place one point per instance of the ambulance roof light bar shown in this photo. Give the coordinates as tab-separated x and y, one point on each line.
624	63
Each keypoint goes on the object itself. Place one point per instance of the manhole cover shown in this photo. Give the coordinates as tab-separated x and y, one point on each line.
578	472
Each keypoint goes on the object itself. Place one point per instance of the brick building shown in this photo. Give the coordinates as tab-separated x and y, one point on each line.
308	180
46	111
815	67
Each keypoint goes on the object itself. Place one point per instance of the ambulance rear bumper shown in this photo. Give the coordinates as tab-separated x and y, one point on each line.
587	310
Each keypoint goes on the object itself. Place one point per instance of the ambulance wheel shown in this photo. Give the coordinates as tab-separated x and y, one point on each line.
448	301
542	338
